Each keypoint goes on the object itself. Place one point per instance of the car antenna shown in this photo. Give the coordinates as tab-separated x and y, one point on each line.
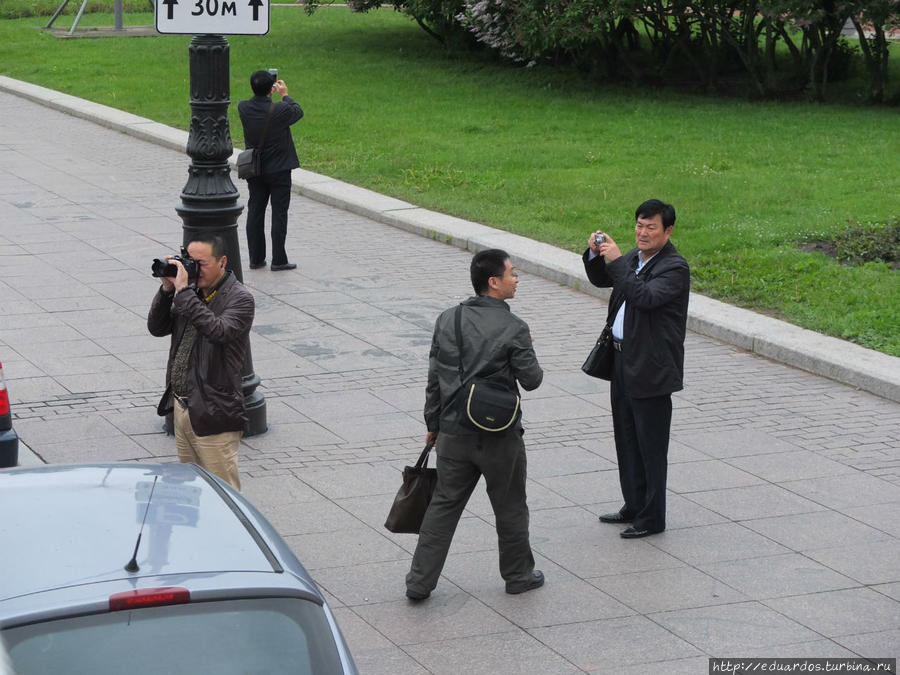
132	565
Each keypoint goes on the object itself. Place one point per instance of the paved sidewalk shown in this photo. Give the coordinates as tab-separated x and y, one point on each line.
784	502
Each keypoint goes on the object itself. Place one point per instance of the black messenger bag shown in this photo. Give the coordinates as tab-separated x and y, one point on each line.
483	404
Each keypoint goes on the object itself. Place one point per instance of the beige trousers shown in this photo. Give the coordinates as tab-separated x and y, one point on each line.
217	453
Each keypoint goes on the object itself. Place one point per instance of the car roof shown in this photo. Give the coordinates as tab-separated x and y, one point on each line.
68	526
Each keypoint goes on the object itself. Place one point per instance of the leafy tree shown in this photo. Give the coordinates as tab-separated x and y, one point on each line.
661	41
881	16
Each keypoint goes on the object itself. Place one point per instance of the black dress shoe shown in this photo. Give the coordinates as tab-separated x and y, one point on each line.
415	596
256	266
285	266
631	533
616	517
536	581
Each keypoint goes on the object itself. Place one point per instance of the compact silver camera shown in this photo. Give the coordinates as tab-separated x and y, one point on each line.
599	239
274	73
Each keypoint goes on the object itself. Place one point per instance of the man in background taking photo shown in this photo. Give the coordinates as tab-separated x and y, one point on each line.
279	157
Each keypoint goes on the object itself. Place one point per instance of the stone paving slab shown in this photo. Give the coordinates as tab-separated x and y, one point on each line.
785	489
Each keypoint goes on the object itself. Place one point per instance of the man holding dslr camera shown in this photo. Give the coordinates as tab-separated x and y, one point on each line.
267	126
208	313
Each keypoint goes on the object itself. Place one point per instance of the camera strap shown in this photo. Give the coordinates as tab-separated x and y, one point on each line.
209	297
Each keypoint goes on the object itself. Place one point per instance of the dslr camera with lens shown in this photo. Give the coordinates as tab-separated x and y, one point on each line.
164	268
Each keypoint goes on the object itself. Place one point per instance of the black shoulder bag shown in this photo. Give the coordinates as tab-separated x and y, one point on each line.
483	405
249	161
599	362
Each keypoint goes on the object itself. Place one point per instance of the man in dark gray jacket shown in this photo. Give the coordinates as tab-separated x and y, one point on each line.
496	343
209	318
648	316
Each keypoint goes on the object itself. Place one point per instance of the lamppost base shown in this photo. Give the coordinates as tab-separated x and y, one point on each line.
255	405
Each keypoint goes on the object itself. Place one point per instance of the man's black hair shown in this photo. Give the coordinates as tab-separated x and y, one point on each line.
261	82
653	207
216	242
486	264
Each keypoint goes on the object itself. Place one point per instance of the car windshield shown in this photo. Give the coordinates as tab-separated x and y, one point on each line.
255	636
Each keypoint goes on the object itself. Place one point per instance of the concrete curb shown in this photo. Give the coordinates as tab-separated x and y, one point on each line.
839	360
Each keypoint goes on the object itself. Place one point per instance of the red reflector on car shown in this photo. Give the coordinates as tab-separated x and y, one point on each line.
4	397
148	597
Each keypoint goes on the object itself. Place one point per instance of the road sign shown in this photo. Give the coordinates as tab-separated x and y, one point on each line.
216	17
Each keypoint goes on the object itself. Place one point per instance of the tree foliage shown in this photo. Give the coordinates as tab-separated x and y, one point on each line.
772	46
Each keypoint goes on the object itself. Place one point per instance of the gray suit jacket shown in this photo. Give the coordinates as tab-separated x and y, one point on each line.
497	344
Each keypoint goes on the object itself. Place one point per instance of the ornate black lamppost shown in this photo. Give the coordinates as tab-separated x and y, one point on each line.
209	200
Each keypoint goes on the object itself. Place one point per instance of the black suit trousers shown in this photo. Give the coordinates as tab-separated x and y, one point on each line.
277	187
641	428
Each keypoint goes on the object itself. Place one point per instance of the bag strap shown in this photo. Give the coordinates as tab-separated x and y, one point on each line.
613	310
457	320
605	333
423	458
262	141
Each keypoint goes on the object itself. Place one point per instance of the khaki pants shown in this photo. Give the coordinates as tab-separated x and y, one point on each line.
217	453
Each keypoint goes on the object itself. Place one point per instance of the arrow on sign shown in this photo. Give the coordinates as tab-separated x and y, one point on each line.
255	4
171	5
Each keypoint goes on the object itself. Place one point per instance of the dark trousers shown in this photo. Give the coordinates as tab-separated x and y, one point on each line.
276	186
462	460
641	428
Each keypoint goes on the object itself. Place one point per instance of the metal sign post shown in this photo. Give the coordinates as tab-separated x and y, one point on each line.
117	10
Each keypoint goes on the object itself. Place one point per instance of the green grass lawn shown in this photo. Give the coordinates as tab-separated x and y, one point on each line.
541	153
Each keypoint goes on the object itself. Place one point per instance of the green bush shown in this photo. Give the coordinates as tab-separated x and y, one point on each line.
869	242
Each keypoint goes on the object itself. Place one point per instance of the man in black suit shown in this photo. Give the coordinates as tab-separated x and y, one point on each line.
279	157
648	315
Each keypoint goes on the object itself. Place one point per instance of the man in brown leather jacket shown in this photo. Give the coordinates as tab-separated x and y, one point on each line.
209	318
